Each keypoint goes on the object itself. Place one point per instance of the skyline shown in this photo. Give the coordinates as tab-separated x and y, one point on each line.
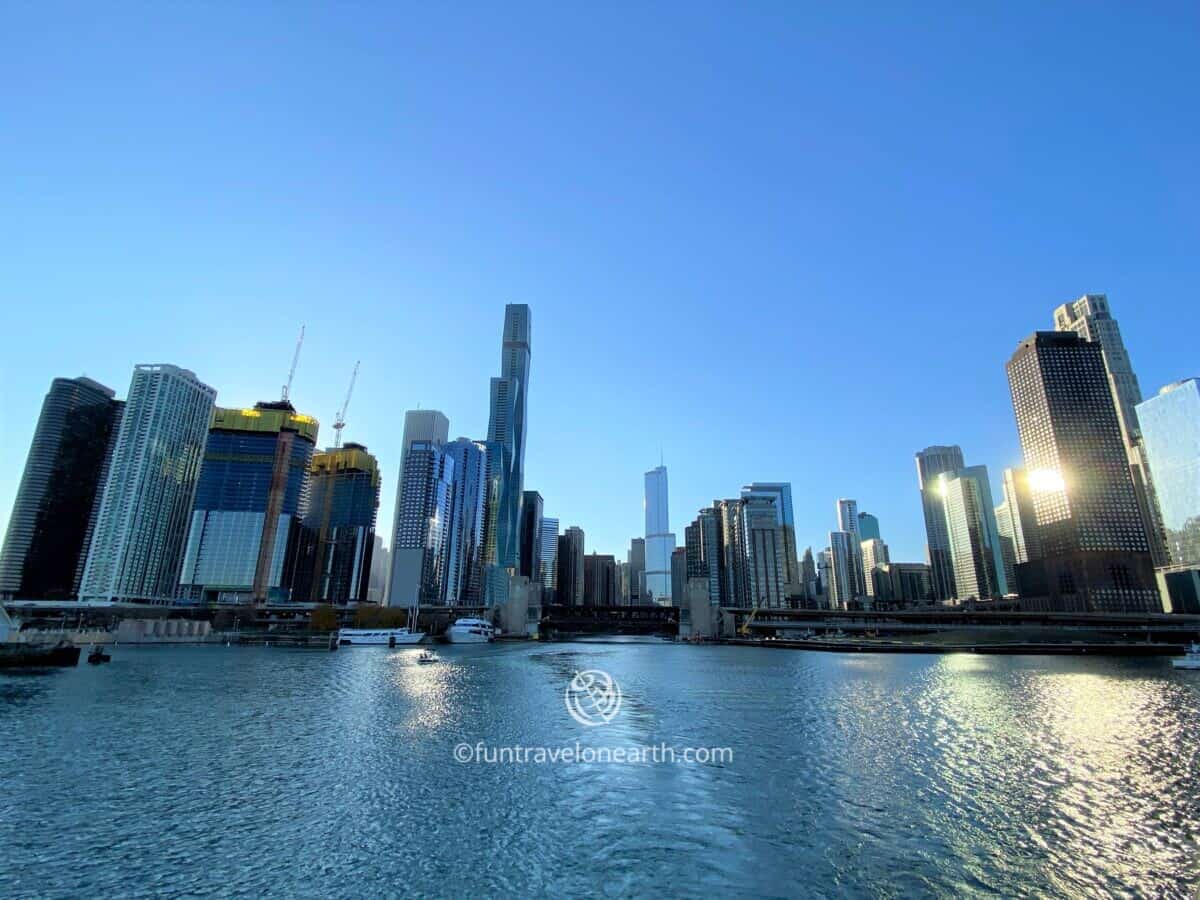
385	519
897	242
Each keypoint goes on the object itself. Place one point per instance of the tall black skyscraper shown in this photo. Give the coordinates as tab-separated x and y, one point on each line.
1095	556
531	534
46	543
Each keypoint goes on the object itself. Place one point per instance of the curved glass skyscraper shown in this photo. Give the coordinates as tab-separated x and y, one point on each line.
46	542
506	439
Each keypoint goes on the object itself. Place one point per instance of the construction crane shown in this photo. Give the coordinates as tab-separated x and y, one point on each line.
287	388
339	421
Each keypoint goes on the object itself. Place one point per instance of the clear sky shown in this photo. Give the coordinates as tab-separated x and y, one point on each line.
777	242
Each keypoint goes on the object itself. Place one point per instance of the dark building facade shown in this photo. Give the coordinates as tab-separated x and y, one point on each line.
1094	555
531	535
599	580
46	544
569	575
339	527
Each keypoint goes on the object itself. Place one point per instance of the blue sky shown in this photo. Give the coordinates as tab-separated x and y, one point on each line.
778	243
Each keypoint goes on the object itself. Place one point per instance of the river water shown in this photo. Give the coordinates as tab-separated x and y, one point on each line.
244	771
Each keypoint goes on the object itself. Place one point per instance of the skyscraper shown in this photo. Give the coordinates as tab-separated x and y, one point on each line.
974	539
875	560
339	527
764	551
1170	425
463	577
705	559
506	430
735	580
46	544
808	575
244	536
1095	555
841	562
932	462
570	567
1016	524
659	539
847	512
637	571
531	534
599	580
781	493
418	557
679	576
1091	318
548	556
419	425
137	542
868	527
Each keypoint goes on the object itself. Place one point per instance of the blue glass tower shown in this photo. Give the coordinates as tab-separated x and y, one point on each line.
245	526
506	439
1170	424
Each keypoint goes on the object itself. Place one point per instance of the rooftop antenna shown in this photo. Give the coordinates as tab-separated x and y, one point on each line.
287	388
339	421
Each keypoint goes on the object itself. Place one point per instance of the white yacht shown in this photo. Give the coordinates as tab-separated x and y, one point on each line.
1190	660
470	631
378	637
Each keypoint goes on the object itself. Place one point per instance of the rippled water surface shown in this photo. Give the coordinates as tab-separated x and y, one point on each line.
218	770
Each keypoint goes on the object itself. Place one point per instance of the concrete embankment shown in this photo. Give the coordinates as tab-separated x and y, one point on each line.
1000	648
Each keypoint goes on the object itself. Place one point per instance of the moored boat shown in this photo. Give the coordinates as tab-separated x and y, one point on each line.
470	631
1190	660
378	637
38	656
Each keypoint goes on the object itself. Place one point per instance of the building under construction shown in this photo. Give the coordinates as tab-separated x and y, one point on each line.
339	527
244	537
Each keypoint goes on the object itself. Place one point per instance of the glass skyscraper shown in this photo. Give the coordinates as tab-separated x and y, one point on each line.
339	527
660	542
465	535
548	555
244	534
974	539
531	534
1091	539
781	494
1170	423
137	543
418	559
932	462
46	543
506	435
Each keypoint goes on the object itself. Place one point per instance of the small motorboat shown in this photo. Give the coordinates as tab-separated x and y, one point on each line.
1190	659
428	656
97	656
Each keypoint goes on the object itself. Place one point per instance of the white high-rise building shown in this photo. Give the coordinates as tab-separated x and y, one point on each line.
660	541
142	521
874	557
840	558
847	511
